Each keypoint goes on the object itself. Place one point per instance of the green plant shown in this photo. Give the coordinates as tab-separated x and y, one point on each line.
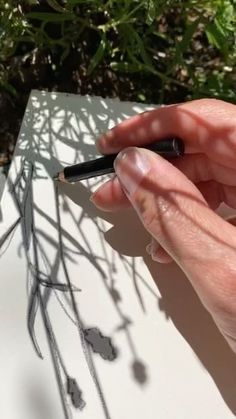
186	44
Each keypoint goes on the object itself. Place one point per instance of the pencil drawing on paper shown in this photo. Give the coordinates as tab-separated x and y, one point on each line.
49	280
40	286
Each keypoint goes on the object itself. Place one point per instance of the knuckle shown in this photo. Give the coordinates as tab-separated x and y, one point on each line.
205	101
169	212
148	212
157	212
223	279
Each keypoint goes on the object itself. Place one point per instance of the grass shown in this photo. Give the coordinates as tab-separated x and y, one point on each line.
187	46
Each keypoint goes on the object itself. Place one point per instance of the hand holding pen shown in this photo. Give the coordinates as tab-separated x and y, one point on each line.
176	201
169	148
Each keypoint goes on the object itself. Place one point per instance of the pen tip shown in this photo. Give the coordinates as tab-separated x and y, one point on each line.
59	177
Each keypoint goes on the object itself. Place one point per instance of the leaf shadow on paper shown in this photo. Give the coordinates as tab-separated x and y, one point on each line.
178	301
39	160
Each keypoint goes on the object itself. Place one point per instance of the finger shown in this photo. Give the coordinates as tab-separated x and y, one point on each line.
216	193
200	168
206	125
157	253
232	220
110	196
175	213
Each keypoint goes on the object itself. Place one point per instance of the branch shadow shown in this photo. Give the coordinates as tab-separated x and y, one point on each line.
48	124
181	305
178	301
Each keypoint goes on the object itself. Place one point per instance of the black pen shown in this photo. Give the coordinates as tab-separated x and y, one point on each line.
168	148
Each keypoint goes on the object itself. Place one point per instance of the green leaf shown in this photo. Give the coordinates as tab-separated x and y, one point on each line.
65	52
216	37
50	17
225	17
141	97
138	42
125	67
97	56
7	86
183	45
151	12
56	6
33	2
75	2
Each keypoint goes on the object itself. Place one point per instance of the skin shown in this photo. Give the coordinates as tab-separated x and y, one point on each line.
176	201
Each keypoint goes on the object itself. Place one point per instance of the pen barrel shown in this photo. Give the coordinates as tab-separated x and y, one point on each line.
167	148
104	165
88	169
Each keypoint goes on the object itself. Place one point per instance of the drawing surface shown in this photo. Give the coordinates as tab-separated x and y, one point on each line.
90	327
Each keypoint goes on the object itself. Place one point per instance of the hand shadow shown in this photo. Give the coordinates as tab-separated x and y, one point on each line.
181	304
178	299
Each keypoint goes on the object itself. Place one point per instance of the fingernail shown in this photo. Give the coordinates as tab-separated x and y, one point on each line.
152	248
156	258
149	249
99	144
131	166
91	198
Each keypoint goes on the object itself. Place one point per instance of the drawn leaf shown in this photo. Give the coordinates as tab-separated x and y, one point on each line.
32	310
125	323
9	231
115	295
100	344
139	371
75	393
26	204
27	222
57	285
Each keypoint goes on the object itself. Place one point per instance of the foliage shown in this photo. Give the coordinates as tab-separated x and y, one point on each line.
185	43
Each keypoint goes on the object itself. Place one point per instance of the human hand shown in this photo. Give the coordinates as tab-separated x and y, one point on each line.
176	201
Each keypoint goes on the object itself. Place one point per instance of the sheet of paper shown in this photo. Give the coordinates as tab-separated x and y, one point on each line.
90	327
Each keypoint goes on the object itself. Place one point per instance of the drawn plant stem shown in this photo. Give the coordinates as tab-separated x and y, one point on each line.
36	298
80	327
9	232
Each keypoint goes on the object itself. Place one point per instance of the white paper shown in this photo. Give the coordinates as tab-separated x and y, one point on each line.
172	362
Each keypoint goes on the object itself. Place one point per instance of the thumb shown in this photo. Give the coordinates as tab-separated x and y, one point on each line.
175	213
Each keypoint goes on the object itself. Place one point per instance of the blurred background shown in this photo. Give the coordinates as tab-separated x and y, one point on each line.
153	51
